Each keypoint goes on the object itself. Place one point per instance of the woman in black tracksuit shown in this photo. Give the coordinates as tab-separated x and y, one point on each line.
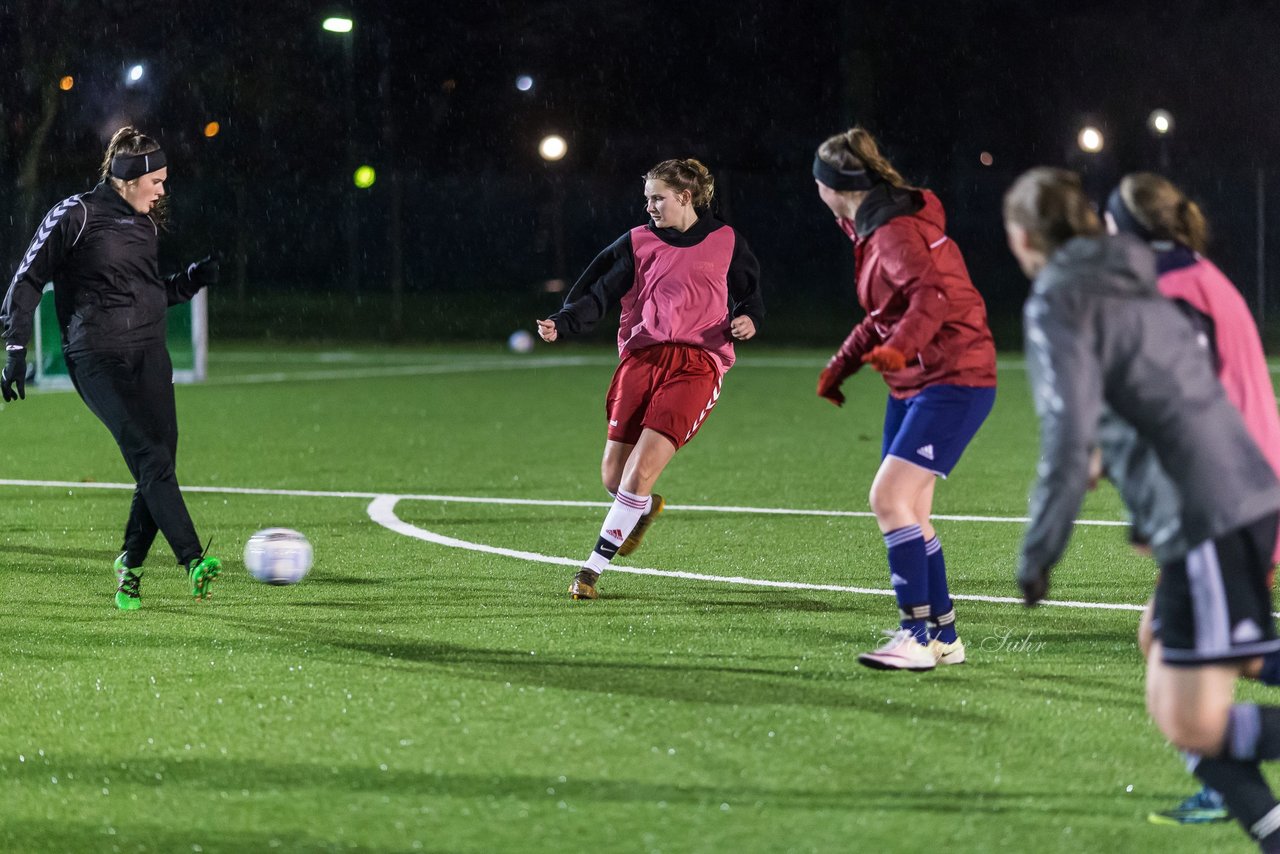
100	250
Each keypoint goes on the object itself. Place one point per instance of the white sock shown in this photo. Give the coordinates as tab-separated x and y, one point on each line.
618	523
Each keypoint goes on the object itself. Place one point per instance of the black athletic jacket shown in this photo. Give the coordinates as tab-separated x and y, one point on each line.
101	256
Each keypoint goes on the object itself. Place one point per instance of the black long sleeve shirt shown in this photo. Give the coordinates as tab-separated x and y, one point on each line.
102	257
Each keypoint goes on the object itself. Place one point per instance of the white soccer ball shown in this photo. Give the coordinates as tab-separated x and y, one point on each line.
278	556
521	341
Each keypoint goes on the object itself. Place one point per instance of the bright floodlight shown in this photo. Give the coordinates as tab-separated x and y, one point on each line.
135	73
338	25
1090	139
524	82
553	147
1160	122
364	177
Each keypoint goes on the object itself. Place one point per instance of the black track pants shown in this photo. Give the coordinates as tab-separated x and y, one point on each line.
131	391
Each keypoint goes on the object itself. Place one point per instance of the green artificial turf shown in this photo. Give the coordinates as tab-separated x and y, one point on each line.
411	696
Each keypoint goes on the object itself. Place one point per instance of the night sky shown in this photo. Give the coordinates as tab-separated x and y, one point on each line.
749	87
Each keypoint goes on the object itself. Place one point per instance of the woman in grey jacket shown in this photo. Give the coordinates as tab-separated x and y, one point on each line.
1098	333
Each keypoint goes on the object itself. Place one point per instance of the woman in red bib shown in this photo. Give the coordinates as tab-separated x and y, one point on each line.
688	286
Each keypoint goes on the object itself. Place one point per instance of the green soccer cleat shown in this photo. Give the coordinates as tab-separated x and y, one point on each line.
1204	807
632	542
128	587
201	574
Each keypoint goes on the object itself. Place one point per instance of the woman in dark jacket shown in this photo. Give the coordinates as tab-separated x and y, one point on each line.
926	331
1100	334
100	251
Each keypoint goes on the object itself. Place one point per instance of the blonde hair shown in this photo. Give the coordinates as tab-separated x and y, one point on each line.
130	140
127	140
687	174
1164	210
856	149
1052	206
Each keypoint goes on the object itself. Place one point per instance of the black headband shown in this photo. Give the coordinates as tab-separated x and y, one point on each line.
126	167
841	179
1126	222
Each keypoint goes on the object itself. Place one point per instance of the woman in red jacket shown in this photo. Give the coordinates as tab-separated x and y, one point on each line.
926	331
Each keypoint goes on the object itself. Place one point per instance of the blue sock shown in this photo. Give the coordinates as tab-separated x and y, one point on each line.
940	604
1270	673
909	572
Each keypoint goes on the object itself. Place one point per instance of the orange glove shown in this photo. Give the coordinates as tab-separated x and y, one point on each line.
829	382
885	359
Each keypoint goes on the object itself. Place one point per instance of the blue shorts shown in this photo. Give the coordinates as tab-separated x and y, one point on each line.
933	428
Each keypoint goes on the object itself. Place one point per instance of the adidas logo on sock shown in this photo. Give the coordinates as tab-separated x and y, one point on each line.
925	451
1246	631
896	580
614	533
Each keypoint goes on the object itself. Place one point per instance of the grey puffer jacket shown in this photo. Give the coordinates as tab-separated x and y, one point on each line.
1099	333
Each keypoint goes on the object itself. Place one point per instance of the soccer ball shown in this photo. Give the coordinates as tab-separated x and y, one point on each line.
278	556
521	341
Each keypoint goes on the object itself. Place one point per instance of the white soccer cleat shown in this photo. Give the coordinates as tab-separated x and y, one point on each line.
947	653
900	652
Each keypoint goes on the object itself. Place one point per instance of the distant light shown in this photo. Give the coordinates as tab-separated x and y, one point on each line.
1160	122
338	25
365	176
553	147
986	159
135	73
66	83
1090	139
524	82
211	129
449	85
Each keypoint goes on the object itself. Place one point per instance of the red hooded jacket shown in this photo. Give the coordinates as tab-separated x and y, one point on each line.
916	291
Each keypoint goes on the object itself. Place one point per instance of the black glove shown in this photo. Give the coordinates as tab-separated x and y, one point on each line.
204	272
1034	584
14	374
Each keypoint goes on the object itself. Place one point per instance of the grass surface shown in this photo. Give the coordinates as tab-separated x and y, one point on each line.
410	696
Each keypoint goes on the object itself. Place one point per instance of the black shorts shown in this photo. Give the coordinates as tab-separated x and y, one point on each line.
1214	604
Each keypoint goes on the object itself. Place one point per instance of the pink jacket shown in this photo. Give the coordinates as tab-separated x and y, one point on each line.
1242	367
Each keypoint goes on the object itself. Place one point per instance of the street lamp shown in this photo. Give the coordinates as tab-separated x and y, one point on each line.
343	26
1090	139
134	74
524	82
1160	123
553	148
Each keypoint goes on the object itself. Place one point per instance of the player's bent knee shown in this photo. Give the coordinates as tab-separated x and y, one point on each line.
1202	735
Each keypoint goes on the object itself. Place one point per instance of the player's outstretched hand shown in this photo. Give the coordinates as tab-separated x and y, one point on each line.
829	382
547	331
13	379
1034	584
743	328
205	272
885	358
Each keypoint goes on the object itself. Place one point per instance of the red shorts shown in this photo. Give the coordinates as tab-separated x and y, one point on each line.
668	388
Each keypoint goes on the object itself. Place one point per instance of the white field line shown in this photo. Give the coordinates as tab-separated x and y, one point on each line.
530	502
382	511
